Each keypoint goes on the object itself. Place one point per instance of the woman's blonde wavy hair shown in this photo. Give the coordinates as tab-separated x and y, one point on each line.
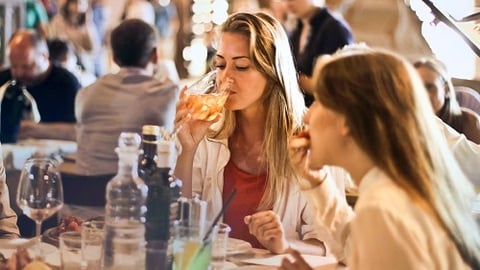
282	98
388	112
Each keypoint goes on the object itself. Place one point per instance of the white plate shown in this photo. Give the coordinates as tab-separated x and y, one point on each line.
237	246
9	246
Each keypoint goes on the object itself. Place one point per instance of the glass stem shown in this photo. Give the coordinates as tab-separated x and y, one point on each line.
38	228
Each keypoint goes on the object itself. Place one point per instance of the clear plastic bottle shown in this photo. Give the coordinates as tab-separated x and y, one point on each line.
125	209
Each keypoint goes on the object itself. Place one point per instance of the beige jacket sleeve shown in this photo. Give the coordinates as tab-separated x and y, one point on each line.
8	218
333	212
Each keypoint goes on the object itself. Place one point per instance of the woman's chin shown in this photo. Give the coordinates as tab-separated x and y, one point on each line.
315	165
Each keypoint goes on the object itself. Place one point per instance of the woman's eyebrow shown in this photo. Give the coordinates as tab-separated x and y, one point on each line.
234	58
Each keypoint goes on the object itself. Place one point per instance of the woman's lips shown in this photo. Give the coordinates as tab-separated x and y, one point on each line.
303	134
301	140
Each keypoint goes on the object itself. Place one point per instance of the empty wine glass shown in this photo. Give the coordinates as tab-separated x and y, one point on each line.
40	192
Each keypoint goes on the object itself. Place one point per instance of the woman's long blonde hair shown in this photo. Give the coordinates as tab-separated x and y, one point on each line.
283	100
388	112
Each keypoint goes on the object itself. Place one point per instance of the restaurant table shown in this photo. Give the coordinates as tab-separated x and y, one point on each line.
54	260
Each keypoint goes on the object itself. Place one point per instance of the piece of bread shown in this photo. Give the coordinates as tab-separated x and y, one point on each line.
301	140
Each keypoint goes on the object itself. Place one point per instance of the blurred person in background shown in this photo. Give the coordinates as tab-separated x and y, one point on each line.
245	148
371	116
74	22
51	7
140	9
275	8
317	32
36	17
122	101
166	23
443	99
53	88
62	53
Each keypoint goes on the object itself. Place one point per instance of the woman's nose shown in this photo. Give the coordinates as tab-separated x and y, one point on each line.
225	75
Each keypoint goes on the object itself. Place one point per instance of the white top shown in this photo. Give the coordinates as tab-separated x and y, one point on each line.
387	231
296	214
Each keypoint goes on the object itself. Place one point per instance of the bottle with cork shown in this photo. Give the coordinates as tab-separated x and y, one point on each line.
155	170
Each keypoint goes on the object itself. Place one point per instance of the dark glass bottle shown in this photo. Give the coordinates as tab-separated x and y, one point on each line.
159	200
13	107
17	104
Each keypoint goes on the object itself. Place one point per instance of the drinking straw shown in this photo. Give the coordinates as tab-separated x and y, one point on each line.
219	215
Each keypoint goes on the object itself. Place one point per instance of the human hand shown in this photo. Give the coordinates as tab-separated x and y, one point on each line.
298	262
267	228
189	131
298	149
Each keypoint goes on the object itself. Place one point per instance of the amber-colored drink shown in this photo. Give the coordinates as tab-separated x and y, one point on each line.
206	106
183	257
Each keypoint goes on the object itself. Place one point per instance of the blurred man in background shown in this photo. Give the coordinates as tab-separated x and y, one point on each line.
52	87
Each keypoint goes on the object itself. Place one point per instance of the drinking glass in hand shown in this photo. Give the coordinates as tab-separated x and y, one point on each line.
40	192
205	98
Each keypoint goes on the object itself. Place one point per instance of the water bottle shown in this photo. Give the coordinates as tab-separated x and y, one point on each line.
125	209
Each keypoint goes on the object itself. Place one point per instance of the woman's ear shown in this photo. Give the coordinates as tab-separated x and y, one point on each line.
344	128
154	56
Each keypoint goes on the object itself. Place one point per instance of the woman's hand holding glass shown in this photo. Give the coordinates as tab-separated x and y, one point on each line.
200	106
267	228
189	131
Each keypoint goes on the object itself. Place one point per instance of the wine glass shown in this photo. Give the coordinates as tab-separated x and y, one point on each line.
40	192
206	97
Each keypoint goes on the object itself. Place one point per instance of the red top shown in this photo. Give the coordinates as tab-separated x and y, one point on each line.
250	189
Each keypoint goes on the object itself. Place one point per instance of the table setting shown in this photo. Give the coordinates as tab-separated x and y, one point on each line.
196	243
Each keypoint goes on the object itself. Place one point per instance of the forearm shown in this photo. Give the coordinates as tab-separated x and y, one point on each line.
56	131
183	171
333	213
